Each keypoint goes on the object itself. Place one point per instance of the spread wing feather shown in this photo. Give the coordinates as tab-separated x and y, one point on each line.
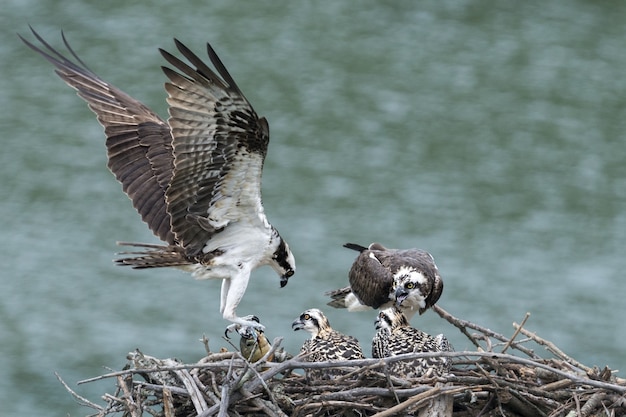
219	148
138	141
188	177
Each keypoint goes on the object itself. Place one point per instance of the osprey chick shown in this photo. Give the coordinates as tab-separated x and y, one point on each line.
394	336
325	343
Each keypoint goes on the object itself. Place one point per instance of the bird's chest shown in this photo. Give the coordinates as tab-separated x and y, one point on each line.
241	245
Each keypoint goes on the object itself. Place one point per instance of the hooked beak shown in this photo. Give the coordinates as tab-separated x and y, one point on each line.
377	324
297	325
401	295
283	280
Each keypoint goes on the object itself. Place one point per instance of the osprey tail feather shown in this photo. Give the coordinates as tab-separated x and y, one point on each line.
154	256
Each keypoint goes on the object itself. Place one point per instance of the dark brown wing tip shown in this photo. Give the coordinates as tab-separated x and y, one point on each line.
52	54
221	68
355	246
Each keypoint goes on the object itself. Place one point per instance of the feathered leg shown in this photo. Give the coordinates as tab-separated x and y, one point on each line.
224	294
232	293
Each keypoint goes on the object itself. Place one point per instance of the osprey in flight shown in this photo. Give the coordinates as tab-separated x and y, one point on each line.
381	277
195	179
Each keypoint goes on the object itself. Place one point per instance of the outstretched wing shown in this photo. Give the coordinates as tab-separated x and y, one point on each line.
138	141
219	148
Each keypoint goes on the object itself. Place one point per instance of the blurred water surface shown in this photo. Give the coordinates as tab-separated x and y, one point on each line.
489	133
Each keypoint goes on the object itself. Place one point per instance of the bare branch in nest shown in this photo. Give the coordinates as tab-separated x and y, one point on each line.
424	396
517	331
81	400
551	347
463	325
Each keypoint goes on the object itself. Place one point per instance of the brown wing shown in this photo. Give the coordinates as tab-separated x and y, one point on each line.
370	280
409	339
138	141
394	259
343	347
219	145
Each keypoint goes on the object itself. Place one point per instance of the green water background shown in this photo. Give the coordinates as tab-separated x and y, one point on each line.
489	133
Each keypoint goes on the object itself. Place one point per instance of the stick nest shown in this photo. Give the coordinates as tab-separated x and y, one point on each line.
485	382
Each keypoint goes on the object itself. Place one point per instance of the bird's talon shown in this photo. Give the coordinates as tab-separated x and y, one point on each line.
231	328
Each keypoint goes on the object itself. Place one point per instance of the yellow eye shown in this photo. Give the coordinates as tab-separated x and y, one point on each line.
410	285
307	317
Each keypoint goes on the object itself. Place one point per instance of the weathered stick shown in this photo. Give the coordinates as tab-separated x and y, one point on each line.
81	400
551	347
431	393
517	331
462	325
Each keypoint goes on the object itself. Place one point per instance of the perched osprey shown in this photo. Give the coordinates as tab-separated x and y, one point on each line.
325	343
195	179
394	336
382	277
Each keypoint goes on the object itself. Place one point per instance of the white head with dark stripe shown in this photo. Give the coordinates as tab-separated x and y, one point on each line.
390	319
282	261
417	289
313	321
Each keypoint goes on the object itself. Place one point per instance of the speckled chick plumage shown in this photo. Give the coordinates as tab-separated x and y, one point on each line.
394	336
325	343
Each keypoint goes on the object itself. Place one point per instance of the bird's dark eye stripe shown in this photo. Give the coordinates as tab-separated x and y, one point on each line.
281	257
308	317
